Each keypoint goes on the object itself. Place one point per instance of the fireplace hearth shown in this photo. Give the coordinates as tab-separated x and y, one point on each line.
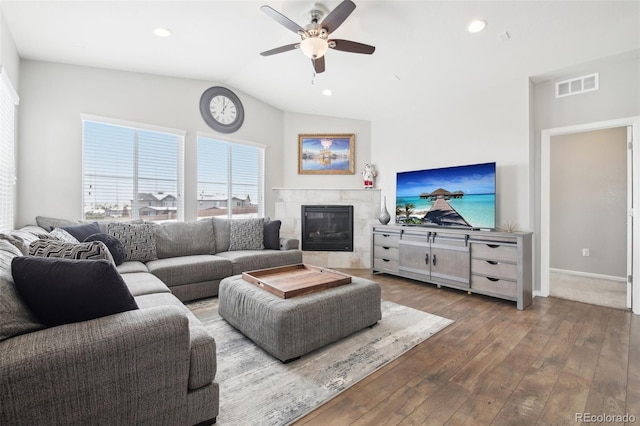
327	228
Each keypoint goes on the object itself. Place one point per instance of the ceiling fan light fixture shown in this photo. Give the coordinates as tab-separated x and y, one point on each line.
314	47
162	32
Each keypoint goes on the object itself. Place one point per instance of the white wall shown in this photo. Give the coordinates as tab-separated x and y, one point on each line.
53	97
488	125
9	58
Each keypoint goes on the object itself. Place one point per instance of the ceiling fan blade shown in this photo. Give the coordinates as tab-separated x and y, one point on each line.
318	64
351	46
337	16
283	20
280	49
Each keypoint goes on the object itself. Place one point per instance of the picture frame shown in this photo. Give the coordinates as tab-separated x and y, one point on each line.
326	154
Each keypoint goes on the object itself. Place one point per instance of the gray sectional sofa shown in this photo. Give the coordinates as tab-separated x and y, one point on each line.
154	365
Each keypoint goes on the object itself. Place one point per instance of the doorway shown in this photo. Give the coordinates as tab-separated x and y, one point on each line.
587	234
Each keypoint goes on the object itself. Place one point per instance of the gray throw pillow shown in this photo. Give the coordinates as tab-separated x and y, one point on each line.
175	239
246	234
139	240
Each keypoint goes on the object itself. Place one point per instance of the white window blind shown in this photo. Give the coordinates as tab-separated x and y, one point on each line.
230	179
8	101
132	171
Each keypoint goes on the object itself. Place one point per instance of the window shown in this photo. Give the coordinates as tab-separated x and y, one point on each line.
8	101
230	179
122	159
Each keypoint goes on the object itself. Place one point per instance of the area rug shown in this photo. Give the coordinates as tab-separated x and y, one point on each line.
257	389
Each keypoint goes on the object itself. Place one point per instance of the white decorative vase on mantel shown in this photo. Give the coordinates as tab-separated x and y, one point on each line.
384	217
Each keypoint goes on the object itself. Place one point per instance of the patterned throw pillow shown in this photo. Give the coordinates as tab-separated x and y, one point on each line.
51	248
246	234
139	240
64	236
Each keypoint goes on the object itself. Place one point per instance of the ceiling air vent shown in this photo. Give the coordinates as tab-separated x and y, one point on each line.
578	85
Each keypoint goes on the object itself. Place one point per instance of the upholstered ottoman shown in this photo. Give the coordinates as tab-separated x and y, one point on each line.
290	328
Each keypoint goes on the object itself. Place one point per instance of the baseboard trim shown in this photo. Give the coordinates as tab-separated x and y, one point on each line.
589	275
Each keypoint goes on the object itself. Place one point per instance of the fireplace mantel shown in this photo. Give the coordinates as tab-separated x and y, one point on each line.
366	207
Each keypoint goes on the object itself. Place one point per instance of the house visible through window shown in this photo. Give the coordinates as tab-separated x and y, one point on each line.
131	171
8	101
230	179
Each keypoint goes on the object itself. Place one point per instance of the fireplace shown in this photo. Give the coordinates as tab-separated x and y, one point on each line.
327	228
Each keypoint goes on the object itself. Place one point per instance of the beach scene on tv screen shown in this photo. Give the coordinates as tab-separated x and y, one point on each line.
451	196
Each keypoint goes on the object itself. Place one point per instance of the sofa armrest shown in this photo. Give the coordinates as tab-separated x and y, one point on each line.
127	368
287	243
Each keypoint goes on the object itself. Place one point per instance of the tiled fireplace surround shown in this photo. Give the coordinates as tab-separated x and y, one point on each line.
366	207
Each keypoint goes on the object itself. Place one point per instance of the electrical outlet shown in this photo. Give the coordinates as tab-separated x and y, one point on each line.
585	252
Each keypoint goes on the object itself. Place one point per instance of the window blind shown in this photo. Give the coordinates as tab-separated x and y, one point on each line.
230	179
132	171
8	101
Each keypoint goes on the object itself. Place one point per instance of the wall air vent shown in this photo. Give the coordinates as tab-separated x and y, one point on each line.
577	85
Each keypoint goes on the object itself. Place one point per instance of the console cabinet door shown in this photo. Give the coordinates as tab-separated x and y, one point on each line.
450	260
415	260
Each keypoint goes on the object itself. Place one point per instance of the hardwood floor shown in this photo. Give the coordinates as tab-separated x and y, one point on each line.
498	366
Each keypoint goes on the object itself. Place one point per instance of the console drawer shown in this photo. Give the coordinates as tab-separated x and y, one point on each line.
496	251
384	252
495	286
380	264
386	240
492	268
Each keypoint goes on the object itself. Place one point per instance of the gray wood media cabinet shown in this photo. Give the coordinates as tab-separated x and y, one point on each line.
492	263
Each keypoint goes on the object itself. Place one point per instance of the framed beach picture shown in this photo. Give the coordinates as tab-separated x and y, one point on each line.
326	154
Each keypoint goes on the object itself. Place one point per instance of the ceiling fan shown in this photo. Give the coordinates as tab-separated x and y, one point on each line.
314	37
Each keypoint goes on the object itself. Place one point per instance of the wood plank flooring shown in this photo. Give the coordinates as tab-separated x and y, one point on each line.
498	366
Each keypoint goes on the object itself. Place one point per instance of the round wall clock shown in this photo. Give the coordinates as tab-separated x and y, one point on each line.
221	109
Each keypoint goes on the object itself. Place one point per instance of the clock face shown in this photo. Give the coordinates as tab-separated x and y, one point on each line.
221	109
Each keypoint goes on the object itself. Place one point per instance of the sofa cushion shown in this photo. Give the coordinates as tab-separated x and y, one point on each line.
15	317
113	244
221	232
62	291
132	266
202	363
175	239
139	240
250	260
272	234
246	234
140	283
82	231
92	250
190	269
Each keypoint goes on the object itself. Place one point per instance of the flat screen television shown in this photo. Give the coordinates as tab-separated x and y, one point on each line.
459	196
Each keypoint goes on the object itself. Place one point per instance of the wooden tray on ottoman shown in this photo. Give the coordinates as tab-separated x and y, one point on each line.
294	280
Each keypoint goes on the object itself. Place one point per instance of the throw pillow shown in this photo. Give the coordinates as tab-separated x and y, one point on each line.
15	317
93	250
48	223
246	234
62	235
113	244
62	291
139	240
80	232
272	234
17	241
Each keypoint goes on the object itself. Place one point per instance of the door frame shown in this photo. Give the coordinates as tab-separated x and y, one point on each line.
633	196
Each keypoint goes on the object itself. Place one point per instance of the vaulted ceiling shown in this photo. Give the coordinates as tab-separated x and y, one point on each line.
423	51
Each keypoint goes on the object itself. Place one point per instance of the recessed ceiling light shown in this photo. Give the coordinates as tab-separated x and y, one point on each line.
162	32
476	26
327	92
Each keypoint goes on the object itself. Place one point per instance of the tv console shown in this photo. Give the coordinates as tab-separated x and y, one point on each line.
488	262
